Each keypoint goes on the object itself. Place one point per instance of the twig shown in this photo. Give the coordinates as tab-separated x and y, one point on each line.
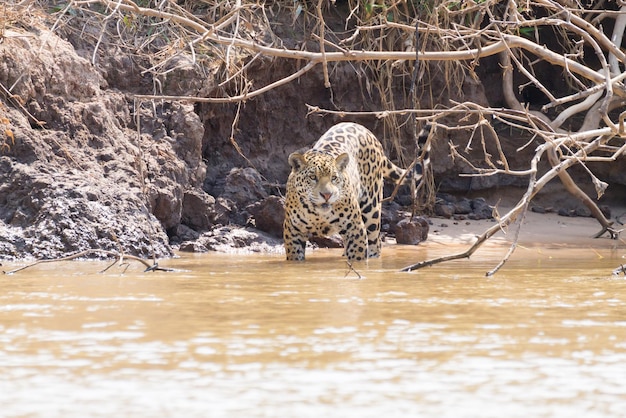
230	47
322	26
118	256
519	220
102	33
618	34
16	101
233	99
352	269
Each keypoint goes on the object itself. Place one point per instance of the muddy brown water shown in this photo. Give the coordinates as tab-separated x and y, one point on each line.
254	336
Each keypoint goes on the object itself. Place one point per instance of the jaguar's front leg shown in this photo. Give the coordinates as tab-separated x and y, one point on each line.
355	240
295	242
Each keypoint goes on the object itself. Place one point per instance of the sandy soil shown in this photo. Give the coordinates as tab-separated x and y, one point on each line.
544	230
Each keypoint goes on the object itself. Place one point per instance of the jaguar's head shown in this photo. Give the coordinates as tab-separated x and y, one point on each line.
319	178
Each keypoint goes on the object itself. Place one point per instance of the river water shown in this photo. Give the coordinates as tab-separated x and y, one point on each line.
254	336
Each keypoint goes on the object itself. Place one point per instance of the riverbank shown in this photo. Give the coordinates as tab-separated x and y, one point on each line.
538	229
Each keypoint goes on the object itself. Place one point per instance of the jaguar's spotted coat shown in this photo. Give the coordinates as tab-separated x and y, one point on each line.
337	187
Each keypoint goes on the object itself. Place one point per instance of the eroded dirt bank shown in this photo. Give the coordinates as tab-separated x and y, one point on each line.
83	164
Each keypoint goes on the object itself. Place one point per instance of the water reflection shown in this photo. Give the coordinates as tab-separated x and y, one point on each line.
255	336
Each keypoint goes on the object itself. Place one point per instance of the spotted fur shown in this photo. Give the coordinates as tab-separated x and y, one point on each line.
337	187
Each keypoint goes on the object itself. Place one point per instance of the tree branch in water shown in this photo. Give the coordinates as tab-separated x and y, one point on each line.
154	266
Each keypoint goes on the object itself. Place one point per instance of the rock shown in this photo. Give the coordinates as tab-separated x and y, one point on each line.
268	215
334	241
223	209
185	131
238	240
192	247
165	194
390	215
445	210
404	198
538	209
566	212
244	186
47	67
481	209
582	212
446	198
49	215
578	211
463	206
184	233
411	232
198	210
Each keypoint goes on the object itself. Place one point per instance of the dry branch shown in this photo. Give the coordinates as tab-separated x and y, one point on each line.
210	33
533	188
119	258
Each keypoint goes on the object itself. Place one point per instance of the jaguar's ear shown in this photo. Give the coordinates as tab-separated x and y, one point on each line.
342	161
297	161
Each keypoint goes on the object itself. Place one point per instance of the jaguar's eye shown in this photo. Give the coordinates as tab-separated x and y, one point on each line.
312	177
335	179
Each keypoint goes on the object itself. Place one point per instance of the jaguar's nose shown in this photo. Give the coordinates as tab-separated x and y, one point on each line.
326	196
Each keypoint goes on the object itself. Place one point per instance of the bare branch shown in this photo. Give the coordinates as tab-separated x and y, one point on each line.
507	42
519	209
118	256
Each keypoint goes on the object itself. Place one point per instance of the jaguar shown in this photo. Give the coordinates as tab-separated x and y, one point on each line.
336	187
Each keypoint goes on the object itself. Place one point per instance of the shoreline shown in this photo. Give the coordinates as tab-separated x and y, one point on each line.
538	229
